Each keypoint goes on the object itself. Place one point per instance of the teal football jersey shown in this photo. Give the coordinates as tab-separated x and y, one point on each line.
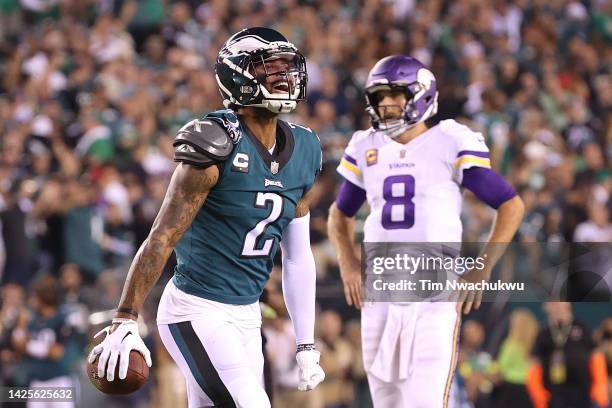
46	332
227	253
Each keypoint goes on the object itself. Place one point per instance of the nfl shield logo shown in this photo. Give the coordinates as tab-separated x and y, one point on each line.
274	167
402	154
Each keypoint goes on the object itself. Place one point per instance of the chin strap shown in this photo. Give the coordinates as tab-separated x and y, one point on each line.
278	106
274	106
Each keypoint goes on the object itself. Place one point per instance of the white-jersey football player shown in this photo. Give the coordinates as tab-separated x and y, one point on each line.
411	176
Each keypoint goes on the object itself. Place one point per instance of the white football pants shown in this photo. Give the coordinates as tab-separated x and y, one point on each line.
218	348
410	352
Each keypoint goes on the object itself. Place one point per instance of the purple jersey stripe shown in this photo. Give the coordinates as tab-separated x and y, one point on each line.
349	159
473	153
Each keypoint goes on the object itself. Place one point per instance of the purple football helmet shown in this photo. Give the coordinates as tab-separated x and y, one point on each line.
401	72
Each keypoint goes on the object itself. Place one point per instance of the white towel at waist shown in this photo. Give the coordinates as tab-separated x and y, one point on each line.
392	361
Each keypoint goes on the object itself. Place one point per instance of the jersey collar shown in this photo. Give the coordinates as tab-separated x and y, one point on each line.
284	145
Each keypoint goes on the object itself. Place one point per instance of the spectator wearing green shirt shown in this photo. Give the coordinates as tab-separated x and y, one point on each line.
513	361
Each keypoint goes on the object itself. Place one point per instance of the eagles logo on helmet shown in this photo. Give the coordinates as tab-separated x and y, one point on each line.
243	77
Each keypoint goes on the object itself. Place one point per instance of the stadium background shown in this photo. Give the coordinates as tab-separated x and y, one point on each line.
92	92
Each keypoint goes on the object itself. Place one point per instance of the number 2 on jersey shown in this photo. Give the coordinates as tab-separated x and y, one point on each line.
393	198
250	240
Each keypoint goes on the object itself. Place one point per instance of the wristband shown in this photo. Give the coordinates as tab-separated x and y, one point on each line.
128	311
305	347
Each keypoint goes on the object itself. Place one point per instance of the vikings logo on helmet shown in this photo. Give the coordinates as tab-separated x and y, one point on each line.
409	75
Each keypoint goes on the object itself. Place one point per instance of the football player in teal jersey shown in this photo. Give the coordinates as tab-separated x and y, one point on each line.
239	192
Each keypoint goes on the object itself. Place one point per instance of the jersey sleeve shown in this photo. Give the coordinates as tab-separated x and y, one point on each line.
309	145
318	156
470	149
317	159
349	166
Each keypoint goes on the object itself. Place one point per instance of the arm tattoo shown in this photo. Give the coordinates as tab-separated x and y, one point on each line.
186	193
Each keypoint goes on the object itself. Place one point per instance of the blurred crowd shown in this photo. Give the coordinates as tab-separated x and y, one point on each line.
93	91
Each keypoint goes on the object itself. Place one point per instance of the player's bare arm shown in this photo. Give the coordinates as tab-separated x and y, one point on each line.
508	218
186	193
341	229
303	206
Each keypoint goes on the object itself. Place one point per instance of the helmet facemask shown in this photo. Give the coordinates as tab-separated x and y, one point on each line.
288	70
407	116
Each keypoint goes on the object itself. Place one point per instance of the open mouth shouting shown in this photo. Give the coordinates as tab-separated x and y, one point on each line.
281	86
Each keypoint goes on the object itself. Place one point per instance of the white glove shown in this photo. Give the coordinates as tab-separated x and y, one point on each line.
117	346
311	373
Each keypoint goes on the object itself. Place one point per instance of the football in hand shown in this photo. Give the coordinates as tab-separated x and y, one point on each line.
137	375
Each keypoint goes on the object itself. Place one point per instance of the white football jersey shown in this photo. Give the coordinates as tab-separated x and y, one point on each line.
413	189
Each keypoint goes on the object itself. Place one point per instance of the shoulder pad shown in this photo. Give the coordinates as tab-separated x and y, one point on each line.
454	128
229	121
202	142
463	138
361	135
